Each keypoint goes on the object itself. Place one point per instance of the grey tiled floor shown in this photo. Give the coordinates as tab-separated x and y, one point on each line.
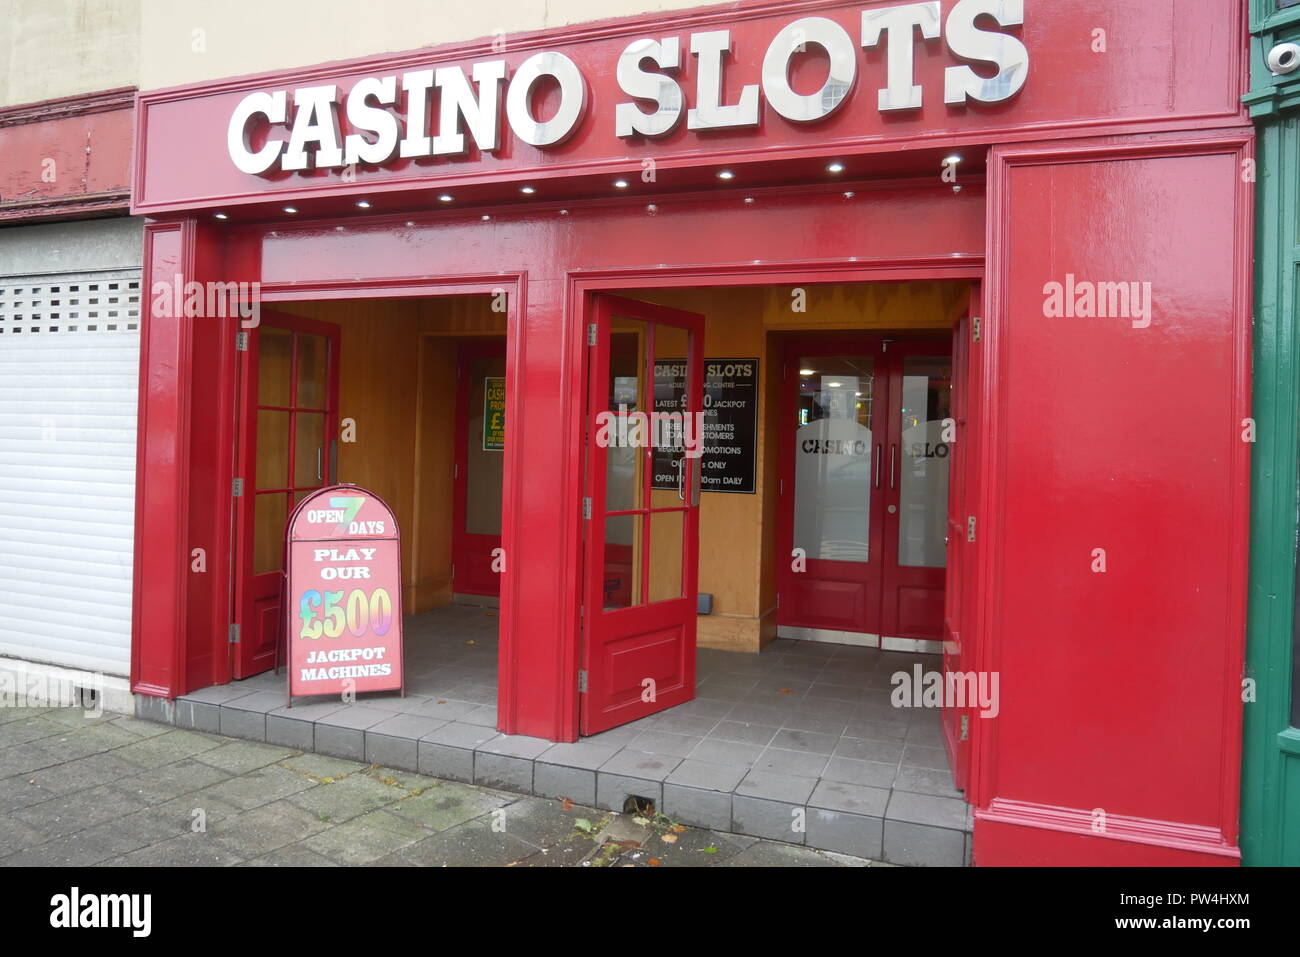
802	725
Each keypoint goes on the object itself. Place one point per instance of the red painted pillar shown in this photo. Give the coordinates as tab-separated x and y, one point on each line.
162	467
1114	505
537	674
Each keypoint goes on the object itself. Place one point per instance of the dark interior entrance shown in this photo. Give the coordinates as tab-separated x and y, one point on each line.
405	397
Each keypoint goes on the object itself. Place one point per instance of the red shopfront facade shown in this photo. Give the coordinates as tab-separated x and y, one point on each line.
1106	477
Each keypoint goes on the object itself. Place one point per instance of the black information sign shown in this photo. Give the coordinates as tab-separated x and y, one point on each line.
730	423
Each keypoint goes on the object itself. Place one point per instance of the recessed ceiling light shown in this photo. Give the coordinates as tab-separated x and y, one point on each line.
363	204
564	212
291	209
848	194
835	168
834	385
486	217
726	174
620	184
528	190
446	198
652	208
749	199
807	371
220	216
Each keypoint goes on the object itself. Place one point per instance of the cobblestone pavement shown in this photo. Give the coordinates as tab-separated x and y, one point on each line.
78	790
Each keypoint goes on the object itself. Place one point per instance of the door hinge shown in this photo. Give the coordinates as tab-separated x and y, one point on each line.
455	472
241	341
778	599
586	508
970	528
237	487
234	634
780	486
591	333
965	727
582	681
975	329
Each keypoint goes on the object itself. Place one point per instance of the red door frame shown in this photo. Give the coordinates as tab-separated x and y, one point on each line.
468	578
599	707
963	496
515	287
248	587
582	283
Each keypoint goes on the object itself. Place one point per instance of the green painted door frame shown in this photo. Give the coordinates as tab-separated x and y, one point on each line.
1270	814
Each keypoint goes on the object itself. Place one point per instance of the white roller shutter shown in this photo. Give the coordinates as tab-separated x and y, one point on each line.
69	365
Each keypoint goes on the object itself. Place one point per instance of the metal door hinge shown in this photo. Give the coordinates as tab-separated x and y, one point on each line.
237	487
778	599
965	727
586	508
591	334
582	681
241	341
970	528
234	634
975	329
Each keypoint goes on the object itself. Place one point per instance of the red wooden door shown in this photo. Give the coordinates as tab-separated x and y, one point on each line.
917	468
831	501
962	496
287	447
640	595
480	451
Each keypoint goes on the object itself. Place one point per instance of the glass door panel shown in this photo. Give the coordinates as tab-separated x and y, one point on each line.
924	461
833	452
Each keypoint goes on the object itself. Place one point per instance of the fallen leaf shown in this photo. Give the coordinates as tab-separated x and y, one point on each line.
709	850
640	820
470	642
678	829
784	691
567	806
654	862
668	838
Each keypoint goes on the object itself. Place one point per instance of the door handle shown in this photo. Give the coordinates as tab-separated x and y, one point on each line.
319	474
877	468
893	448
681	486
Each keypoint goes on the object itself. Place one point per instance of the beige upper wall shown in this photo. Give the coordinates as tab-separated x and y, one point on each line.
56	48
254	36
